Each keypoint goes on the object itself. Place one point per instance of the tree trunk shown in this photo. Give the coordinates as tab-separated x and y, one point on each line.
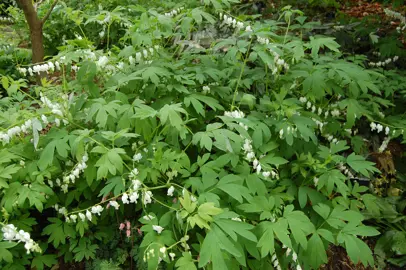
37	44
35	25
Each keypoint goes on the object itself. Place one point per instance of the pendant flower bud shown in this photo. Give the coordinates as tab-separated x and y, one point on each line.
157	228
170	191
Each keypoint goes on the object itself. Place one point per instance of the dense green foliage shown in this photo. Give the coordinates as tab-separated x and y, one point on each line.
186	136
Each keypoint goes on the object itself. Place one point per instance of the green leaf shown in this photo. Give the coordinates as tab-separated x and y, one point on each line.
187	202
333	178
306	193
320	42
85	250
47	156
5	82
204	139
195	100
207	210
358	251
316	253
272	160
36	127
272	229
153	74
185	262
354	229
280	229
115	185
232	228
143	111
6	255
229	185
111	162
300	225
323	210
87	71
267	240
211	251
172	113
57	232
7	173
44	260
360	165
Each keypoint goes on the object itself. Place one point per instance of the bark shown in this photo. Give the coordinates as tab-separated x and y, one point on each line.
35	26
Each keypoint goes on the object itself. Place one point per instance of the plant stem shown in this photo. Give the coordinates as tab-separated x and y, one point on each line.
241	73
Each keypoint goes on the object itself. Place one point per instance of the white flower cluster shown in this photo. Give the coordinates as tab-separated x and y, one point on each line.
162	254
183	242
61	210
97	210
294	258
289	130
379	128
137	157
206	89
345	170
50	66
6	19
263	41
384	145
233	23
275	262
319	123
132	195
25	128
56	108
102	61
250	156
338	27
384	63
280	63
143	55
74	174
397	16
312	107
5	137
157	228
86	215
237	115
331	138
174	12
10	233
5	47
234	114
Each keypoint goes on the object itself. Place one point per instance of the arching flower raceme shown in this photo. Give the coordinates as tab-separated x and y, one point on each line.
10	233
